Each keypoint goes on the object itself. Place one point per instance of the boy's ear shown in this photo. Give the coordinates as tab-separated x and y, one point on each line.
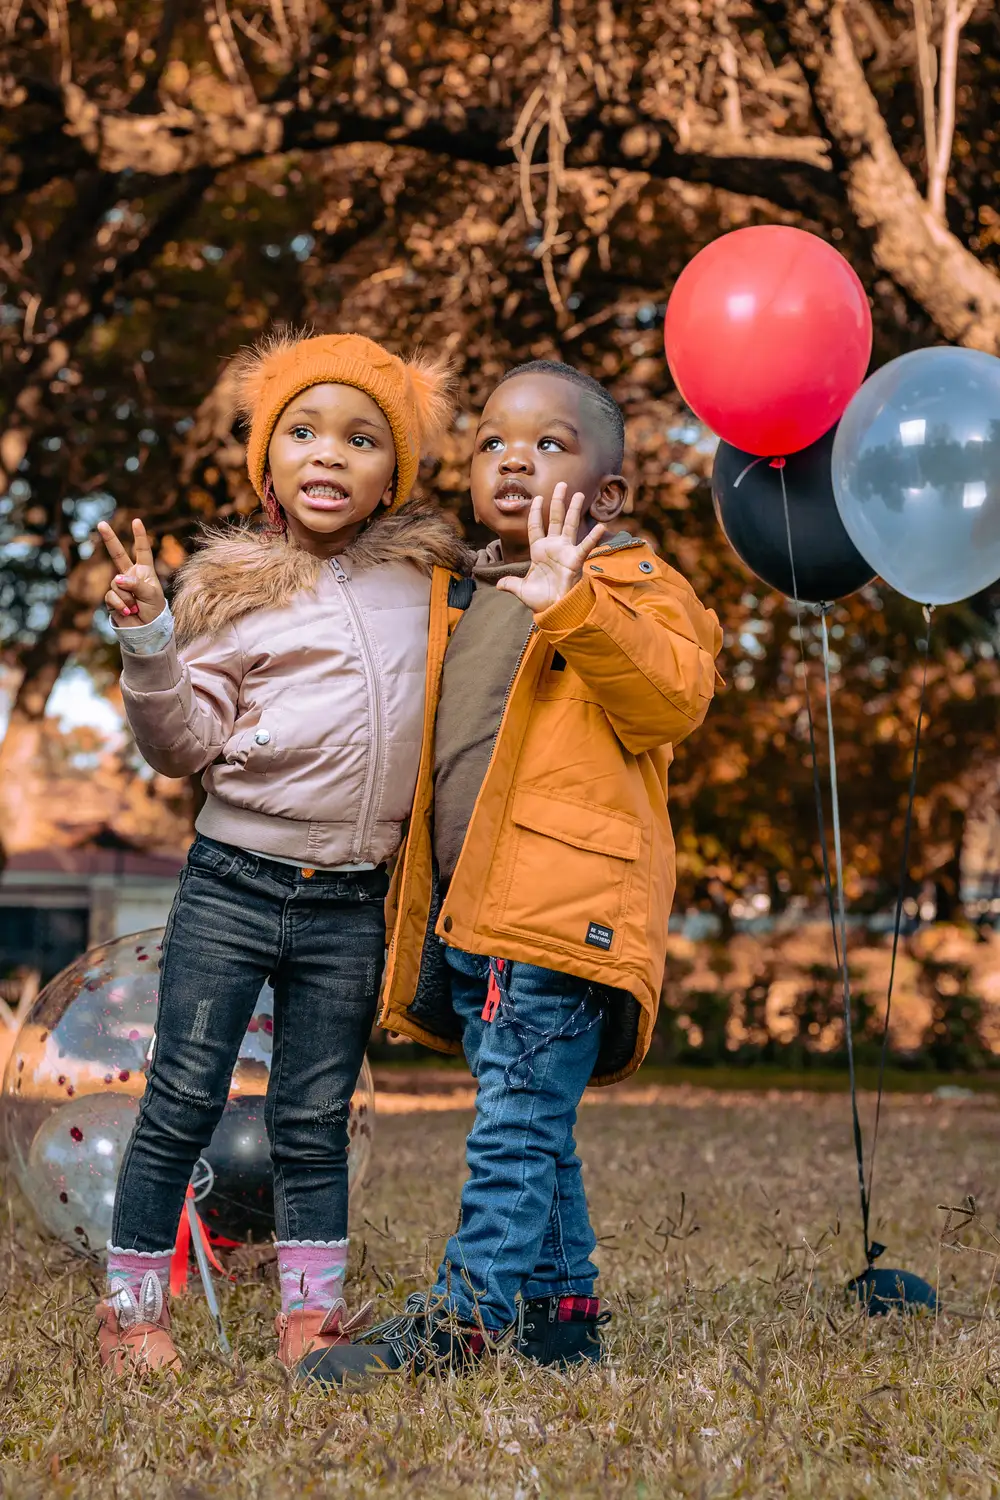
611	498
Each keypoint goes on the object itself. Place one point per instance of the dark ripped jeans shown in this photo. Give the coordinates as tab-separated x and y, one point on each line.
239	920
524	1225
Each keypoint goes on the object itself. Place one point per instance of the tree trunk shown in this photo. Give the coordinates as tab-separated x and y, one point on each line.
909	242
948	879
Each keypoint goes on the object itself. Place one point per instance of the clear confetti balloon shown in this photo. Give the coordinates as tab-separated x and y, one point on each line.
87	1040
73	1164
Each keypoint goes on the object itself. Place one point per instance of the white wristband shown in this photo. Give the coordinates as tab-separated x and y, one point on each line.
148	639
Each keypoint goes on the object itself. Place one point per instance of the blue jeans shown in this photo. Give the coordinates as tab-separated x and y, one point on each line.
524	1224
238	920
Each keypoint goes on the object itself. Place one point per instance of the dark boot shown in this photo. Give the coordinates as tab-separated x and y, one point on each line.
419	1338
560	1330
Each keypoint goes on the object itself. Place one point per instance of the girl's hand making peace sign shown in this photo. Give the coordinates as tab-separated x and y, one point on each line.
135	597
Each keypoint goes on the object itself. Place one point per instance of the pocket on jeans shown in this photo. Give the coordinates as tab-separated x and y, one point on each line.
375	886
205	857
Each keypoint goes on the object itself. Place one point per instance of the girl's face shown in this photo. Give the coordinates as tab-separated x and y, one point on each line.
332	460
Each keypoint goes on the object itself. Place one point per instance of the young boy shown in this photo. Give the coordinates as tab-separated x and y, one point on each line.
530	908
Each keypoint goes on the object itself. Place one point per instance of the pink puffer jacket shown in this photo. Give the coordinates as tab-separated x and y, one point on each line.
298	688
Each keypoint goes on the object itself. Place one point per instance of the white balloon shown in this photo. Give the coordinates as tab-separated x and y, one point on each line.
916	473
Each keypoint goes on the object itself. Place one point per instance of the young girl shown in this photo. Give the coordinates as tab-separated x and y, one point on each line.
292	672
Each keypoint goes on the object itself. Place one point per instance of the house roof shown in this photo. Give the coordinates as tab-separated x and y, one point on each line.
88	860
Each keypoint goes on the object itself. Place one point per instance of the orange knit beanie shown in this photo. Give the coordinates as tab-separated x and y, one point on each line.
413	393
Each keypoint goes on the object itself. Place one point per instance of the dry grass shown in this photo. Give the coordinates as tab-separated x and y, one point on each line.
735	1367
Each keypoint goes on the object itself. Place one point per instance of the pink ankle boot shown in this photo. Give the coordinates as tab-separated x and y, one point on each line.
134	1332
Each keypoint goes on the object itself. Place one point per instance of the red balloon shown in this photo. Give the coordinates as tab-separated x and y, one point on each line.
768	336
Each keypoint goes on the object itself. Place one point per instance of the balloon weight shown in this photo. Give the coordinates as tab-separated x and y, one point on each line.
884	1290
750	507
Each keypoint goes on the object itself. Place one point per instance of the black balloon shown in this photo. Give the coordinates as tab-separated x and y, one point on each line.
241	1200
748	503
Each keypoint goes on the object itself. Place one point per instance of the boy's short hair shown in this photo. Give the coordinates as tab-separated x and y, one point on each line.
610	410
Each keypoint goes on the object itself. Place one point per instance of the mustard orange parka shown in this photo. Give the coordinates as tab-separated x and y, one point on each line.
569	859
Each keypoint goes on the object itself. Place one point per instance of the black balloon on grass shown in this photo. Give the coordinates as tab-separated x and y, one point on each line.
751	512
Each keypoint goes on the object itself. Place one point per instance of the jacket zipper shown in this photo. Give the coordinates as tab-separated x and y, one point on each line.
375	751
634	542
506	700
503	714
613	546
517	667
598	552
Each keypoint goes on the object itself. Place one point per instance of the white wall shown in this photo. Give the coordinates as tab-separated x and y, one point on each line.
137	910
118	907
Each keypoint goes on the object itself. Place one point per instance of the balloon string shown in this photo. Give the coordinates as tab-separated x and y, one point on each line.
901	894
744	472
859	1150
839	939
202	1252
813	755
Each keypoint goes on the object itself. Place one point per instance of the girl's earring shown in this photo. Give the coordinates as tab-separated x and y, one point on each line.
276	523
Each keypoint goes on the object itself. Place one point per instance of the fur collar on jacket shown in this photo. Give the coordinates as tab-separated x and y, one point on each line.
239	571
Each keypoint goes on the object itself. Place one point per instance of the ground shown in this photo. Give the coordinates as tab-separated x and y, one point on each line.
736	1366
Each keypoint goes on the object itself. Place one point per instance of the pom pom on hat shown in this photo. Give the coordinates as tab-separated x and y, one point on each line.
413	394
249	368
430	384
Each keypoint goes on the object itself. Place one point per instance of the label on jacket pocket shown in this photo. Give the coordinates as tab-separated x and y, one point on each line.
599	936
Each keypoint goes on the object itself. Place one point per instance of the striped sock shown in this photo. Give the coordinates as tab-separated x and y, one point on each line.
312	1273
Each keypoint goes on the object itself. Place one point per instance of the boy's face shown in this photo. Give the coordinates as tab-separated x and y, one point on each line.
536	430
332	460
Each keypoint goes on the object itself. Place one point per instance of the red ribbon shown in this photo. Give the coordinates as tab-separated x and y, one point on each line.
493	991
182	1250
221	1242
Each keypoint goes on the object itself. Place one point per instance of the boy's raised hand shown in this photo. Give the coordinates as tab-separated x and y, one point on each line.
557	558
135	597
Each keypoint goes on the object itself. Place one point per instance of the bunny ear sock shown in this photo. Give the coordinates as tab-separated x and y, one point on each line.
431	384
250	367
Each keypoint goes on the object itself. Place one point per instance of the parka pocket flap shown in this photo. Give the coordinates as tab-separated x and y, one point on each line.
583	825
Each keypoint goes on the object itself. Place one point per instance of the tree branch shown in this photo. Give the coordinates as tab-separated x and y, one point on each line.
880	38
58	24
937	174
146	101
21	393
793	172
227	51
926	69
960	294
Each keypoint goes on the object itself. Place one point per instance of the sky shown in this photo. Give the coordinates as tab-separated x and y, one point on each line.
73	703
